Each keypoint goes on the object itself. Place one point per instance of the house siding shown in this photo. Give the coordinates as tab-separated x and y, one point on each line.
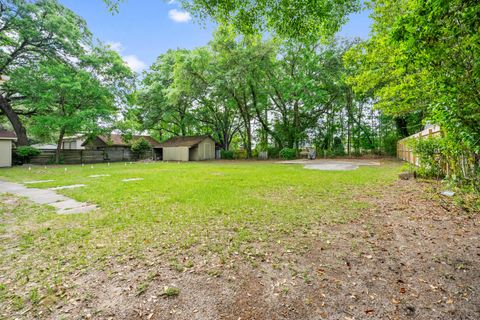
176	154
5	153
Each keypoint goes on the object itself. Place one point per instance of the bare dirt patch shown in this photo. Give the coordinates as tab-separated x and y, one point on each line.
407	257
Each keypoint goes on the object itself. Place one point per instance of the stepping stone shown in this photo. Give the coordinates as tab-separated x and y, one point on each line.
99	175
63	204
132	179
82	209
68	187
38	181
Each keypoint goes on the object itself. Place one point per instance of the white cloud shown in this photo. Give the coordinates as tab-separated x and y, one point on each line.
179	16
134	63
116	46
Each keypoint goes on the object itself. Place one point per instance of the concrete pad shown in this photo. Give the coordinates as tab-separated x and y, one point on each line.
38	181
331	167
132	179
68	187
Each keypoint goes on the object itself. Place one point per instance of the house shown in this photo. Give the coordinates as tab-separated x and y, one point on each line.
117	149
6	140
190	148
74	142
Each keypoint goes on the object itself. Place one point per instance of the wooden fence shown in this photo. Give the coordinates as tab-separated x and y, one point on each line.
85	156
405	152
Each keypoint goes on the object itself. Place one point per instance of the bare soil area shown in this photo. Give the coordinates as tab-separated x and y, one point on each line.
410	256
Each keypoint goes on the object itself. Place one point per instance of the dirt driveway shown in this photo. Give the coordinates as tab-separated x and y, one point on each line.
409	257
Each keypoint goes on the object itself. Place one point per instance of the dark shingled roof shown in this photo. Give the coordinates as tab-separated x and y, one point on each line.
117	140
188	141
4	134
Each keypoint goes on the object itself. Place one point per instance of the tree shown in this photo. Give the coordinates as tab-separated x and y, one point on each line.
161	109
140	147
68	99
32	32
423	60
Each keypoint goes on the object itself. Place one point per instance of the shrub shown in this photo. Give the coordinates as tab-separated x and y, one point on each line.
26	153
338	148
240	154
273	152
428	152
140	147
288	154
226	154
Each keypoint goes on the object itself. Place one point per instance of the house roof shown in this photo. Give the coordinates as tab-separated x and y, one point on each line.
187	141
9	135
117	140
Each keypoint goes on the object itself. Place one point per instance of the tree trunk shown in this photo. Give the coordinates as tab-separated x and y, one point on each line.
59	145
14	119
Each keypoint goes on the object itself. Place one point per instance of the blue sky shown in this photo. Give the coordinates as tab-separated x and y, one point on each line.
143	29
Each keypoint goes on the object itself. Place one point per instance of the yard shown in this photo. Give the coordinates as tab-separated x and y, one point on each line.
245	240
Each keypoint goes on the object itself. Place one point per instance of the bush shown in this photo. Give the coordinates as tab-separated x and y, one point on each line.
338	148
140	147
428	152
26	153
226	154
273	152
240	154
288	154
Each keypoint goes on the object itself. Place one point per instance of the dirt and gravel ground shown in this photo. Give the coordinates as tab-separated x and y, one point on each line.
411	256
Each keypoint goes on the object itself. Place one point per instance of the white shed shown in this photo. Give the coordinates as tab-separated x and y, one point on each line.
6	141
190	148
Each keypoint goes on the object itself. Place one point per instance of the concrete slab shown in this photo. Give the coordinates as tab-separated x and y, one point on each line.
332	164
331	167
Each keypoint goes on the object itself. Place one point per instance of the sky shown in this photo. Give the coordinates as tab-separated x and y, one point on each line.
143	29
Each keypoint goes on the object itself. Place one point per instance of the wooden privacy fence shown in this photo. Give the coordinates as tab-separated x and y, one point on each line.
405	152
84	156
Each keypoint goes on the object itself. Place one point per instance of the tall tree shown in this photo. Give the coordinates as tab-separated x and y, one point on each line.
68	99
31	32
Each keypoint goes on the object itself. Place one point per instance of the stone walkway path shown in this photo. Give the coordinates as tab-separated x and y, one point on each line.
64	205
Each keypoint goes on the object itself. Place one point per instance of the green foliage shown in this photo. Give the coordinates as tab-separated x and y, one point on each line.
424	58
288	153
227	154
26	153
240	154
140	147
428	152
338	148
299	19
273	152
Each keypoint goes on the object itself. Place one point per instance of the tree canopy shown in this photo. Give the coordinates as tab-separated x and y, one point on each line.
300	19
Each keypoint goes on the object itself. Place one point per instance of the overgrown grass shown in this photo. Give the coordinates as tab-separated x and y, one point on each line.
217	209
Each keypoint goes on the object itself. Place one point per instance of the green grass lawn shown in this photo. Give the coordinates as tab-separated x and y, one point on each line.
200	208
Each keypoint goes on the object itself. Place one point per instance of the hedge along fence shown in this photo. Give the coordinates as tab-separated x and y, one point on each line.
405	148
84	156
